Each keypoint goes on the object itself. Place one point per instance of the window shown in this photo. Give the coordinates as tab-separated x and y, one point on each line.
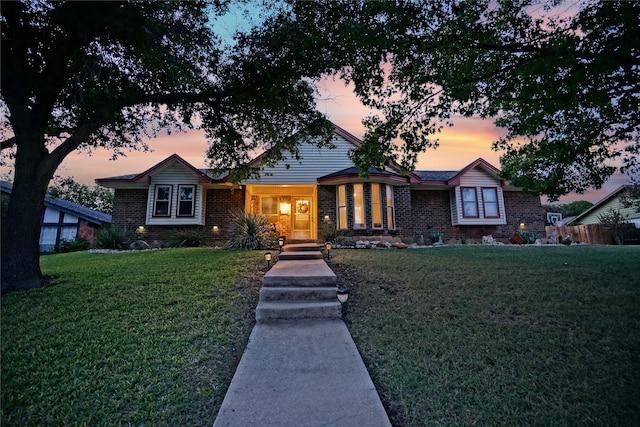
391	220
376	206
358	206
342	207
186	200
469	202
490	203
162	201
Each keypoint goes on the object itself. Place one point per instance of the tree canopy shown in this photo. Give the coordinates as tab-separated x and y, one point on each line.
563	81
94	197
81	75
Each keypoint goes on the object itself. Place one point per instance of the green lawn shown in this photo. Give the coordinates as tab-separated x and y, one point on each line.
128	338
456	335
478	335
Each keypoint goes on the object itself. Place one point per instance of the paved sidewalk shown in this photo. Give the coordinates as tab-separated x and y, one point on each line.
301	373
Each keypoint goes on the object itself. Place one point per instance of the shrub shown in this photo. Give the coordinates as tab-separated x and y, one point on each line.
187	238
113	237
249	231
329	232
435	236
529	238
75	245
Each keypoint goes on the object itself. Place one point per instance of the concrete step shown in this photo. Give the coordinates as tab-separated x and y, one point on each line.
317	294
284	256
302	273
272	310
301	247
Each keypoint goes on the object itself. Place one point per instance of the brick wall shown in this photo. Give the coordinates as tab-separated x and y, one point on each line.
130	210
431	211
220	203
129	207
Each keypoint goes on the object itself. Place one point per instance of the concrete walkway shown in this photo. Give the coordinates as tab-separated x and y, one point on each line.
301	372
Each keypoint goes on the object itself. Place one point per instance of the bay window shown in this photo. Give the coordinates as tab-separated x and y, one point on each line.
376	206
391	220
358	206
342	207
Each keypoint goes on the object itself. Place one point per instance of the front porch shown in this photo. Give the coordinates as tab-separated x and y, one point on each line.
291	209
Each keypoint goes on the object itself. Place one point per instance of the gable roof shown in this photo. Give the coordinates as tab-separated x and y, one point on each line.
145	177
66	206
615	193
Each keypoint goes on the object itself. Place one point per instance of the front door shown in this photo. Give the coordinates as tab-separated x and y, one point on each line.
302	218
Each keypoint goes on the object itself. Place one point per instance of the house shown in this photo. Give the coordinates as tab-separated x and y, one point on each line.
611	201
324	188
62	220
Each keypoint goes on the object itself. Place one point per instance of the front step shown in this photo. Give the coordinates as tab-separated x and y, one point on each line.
300	273
298	294
284	310
301	247
288	256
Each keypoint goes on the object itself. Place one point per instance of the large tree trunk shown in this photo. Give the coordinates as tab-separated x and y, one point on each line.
21	227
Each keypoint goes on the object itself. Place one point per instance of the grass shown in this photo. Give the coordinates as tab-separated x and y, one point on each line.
456	335
148	338
468	335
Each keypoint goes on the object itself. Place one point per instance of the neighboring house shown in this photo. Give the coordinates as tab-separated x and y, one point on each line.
299	198
62	220
612	201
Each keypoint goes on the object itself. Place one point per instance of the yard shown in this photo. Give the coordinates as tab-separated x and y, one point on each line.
451	336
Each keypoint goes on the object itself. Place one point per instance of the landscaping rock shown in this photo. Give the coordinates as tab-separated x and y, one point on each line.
139	245
156	244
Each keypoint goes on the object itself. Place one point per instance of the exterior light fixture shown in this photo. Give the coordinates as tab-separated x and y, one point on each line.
343	295
327	246
215	229
141	229
267	257
522	226
326	218
280	242
285	208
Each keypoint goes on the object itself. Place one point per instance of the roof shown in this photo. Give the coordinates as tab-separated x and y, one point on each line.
616	193
145	177
66	206
422	178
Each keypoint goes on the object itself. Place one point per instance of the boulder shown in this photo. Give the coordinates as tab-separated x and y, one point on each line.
139	245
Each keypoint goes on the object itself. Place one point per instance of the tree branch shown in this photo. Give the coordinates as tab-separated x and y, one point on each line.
8	143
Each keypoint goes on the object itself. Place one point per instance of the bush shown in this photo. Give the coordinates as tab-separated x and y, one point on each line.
187	238
75	245
114	237
529	238
249	231
329	232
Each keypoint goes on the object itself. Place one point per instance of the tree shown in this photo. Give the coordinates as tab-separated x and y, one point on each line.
564	82
80	75
95	197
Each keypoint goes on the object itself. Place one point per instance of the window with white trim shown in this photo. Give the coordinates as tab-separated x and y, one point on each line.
469	202
490	202
358	206
342	207
391	214
376	206
186	200
162	201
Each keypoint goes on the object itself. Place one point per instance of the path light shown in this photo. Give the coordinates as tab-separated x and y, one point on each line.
280	242
267	257
343	295
327	246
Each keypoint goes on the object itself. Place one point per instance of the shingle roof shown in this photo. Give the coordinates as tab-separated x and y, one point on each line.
435	175
67	206
354	171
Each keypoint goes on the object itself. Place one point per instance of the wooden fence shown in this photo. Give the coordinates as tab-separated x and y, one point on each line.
594	234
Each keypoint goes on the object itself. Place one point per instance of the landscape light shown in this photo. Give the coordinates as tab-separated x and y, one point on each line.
327	246
343	294
280	242
267	257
